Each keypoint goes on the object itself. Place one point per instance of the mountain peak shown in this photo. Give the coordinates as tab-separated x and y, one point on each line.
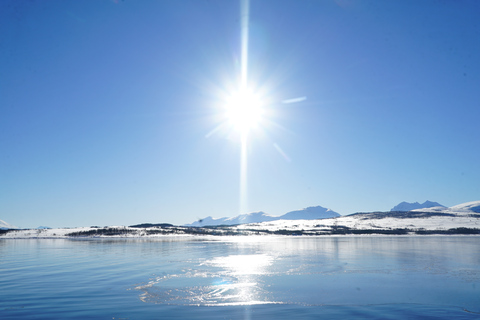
409	206
309	213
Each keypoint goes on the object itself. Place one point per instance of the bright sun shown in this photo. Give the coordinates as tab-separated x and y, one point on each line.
244	110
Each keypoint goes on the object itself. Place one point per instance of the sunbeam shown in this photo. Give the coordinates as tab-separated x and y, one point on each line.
243	174
244	17
246	109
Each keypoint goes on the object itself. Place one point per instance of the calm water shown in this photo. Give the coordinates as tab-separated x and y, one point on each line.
241	278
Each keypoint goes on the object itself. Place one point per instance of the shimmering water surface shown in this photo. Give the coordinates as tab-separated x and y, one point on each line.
241	278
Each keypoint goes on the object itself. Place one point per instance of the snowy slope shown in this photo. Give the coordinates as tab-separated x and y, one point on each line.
473	206
4	225
41	233
356	223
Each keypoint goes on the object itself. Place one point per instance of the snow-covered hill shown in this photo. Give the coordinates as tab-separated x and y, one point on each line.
408	206
4	225
468	206
317	212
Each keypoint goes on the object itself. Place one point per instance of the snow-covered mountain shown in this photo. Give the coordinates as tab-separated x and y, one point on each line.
408	206
4	225
309	213
460	209
464	217
253	217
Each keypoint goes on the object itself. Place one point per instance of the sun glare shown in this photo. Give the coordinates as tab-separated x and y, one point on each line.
244	110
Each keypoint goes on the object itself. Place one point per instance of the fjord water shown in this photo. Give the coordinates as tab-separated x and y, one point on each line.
241	278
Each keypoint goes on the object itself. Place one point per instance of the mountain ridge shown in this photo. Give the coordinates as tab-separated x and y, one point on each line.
461	219
409	206
309	213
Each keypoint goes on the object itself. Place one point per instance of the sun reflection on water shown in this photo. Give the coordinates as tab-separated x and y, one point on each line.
251	264
245	269
230	280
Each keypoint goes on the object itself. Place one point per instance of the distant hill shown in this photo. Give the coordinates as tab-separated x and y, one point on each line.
468	206
409	206
309	213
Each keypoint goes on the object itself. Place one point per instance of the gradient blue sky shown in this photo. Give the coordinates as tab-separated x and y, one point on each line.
105	107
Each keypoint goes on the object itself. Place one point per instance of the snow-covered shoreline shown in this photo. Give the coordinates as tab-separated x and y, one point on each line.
458	220
342	226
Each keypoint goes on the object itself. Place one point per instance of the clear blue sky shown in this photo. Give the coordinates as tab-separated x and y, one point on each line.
105	108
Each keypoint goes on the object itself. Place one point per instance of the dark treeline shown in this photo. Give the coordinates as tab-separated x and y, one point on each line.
226	231
231	231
